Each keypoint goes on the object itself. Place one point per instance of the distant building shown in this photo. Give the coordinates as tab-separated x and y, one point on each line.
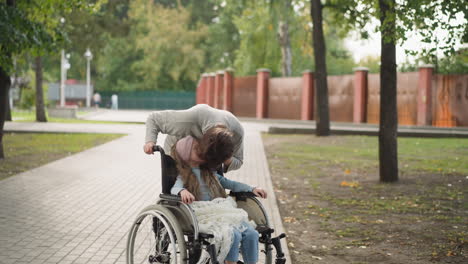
75	93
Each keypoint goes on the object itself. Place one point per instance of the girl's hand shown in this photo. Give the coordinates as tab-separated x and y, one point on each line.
186	197
260	192
148	147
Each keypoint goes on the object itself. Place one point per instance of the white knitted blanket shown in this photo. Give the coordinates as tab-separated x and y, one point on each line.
218	217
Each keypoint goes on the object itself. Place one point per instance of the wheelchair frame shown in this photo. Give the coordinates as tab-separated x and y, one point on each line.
181	222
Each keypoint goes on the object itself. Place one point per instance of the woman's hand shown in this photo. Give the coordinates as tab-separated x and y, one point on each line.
186	196
260	192
148	147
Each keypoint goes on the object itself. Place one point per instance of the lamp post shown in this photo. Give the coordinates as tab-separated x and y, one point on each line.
63	74
89	56
64	66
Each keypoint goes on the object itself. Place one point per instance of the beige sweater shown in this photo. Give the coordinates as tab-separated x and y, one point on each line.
195	122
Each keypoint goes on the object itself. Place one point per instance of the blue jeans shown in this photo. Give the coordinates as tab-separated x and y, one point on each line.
248	241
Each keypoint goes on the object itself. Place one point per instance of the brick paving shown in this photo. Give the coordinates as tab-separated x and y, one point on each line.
79	209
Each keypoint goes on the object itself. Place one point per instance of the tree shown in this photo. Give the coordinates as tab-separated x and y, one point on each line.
388	125
40	109
285	11
323	116
162	50
396	20
27	26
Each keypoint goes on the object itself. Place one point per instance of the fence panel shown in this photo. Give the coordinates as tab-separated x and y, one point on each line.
244	96
373	99
450	100
157	100
407	92
340	97
407	97
284	100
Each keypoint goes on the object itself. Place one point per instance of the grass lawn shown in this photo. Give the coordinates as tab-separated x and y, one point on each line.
25	151
334	208
30	116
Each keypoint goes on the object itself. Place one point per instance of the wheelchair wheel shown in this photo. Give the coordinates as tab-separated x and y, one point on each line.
156	237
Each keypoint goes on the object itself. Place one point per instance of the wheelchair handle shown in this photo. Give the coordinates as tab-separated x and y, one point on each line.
157	148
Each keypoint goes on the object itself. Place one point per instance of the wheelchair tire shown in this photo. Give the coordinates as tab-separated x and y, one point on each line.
156	237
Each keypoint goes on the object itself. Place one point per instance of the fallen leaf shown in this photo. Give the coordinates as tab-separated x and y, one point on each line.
289	219
349	184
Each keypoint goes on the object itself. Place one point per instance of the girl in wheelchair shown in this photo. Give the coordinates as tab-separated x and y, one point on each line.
198	181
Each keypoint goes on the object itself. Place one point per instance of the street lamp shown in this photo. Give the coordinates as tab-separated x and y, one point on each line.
89	56
64	66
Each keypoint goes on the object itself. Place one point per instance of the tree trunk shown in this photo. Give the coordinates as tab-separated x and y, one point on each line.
322	116
284	40
5	82
388	161
8	109
40	111
286	54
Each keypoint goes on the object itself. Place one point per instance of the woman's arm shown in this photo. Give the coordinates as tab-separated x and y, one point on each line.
172	122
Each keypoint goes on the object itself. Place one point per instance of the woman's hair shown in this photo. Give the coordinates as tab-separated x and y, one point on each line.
190	180
216	146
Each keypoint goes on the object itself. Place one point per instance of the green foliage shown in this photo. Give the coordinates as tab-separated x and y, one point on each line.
18	34
371	62
33	26
28	92
456	63
169	46
223	38
160	51
27	99
428	18
259	47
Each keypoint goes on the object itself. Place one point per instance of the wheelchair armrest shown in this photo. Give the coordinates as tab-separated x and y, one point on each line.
242	196
170	197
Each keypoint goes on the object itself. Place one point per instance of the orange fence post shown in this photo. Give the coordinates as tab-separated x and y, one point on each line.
210	89
201	90
218	89
360	95
228	85
263	76
424	115
307	96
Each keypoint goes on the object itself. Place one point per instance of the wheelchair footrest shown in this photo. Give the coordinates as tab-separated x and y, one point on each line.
205	236
265	230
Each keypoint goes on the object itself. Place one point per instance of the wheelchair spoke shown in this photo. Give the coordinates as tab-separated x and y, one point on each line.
155	241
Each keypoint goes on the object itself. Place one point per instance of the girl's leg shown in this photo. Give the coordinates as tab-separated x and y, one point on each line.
233	255
249	245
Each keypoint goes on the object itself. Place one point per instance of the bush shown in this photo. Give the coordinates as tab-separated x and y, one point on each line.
27	99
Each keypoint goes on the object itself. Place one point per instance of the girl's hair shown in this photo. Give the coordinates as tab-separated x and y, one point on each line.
216	146
190	180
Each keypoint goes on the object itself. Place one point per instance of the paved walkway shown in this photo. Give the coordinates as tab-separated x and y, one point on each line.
79	209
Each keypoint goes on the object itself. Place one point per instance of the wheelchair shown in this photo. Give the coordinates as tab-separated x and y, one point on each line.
167	232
